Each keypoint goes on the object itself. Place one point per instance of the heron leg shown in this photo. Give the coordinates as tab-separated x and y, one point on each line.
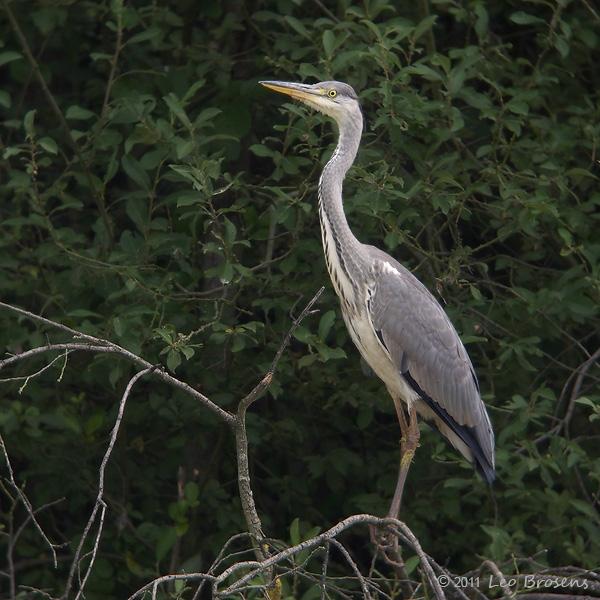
409	428
386	542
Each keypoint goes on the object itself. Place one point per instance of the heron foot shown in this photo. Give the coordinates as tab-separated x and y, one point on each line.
385	539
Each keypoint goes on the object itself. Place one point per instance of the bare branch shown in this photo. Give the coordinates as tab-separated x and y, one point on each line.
252	568
27	378
220	558
350	561
101	345
68	347
169	578
114	59
50	323
241	439
100	497
493	567
583	369
324	570
27	504
258	567
264	383
563	424
425	564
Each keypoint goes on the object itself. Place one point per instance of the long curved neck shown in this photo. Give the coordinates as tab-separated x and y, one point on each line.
342	249
330	185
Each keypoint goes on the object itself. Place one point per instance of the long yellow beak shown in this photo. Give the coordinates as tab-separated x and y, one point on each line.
300	91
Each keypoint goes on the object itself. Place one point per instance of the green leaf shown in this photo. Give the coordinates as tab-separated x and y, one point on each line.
9	56
165	542
176	108
523	18
325	324
197	85
297	26
482	21
135	172
148	34
207	115
424	71
96	56
261	150
562	45
328	42
425	25
28	123
585	508
118	326
187	352
230	232
411	564
173	360
295	532
137	211
587	402
94	423
77	113
5	100
191	491
518	107
48	144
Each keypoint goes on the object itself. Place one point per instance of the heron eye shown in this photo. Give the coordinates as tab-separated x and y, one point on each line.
332	93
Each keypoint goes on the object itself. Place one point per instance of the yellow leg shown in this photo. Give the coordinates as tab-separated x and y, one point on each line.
408	445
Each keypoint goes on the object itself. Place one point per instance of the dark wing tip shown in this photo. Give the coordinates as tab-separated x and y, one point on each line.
482	464
485	470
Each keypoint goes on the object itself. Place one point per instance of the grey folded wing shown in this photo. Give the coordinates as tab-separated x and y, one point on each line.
428	352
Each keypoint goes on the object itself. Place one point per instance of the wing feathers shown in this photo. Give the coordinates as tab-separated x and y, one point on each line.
426	349
467	434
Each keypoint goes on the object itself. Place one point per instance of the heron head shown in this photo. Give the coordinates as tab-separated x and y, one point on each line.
333	98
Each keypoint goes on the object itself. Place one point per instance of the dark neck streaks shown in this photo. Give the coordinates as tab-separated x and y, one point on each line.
334	226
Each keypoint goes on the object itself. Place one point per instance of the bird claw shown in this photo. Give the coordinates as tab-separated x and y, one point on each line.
384	539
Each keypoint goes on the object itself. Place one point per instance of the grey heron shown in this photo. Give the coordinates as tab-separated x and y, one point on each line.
397	325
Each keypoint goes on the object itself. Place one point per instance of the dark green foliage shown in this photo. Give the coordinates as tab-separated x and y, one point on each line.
184	228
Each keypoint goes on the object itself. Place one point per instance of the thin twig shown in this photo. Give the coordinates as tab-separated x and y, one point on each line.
324	571
564	423
50	323
258	567
67	347
170	578
253	568
326	11
350	561
493	567
101	345
589	7
425	564
266	380
26	503
583	369
450	578
219	559
100	497
115	58
27	378
37	591
241	439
